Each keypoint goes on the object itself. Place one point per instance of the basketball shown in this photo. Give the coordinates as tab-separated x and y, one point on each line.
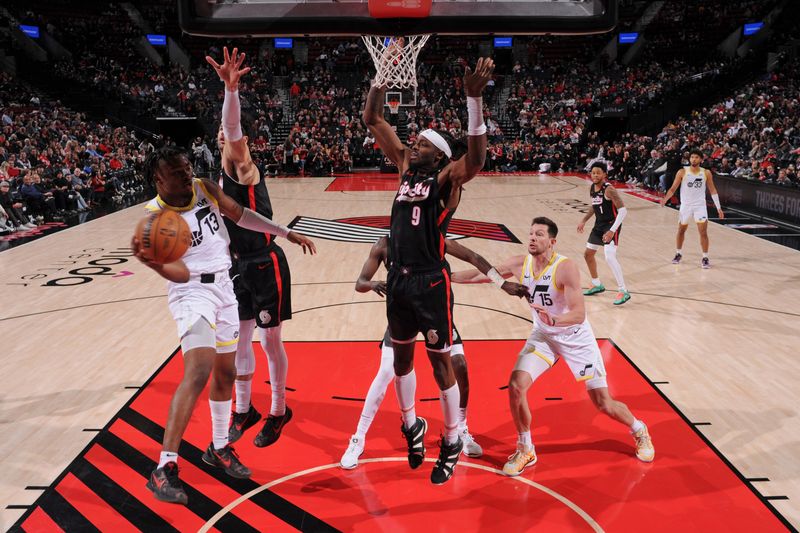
164	236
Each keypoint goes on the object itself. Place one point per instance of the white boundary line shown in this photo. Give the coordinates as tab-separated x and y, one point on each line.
244	497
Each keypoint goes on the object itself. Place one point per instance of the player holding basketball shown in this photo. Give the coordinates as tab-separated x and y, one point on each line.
263	283
202	302
418	294
560	330
609	212
693	181
377	390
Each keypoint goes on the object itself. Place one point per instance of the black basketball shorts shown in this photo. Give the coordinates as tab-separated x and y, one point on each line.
420	303
263	288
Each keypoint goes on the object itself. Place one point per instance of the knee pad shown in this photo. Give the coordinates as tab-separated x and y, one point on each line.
199	335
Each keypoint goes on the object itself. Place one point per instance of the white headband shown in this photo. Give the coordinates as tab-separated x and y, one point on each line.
438	141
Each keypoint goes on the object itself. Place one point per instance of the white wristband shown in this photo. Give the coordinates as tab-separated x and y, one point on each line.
475	112
495	276
715	198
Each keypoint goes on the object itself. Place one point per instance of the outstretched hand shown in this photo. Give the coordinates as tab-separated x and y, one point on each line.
515	289
230	71
306	243
476	80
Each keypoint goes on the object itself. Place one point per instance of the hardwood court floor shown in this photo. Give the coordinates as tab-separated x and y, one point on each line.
717	341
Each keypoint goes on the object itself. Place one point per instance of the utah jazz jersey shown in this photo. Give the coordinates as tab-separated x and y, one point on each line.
604	210
244	242
693	187
543	290
419	223
209	250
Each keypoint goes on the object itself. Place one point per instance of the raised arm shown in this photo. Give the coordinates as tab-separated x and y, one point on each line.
377	255
465	168
236	159
675	184
248	219
385	136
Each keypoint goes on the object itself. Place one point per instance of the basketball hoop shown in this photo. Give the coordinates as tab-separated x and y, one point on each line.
395	59
394	107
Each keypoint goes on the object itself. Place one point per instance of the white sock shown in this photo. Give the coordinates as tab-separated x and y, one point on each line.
462	419
679	251
450	398
610	251
596	282
376	393
524	438
167	457
278	368
220	421
406	389
243	395
637	425
705	255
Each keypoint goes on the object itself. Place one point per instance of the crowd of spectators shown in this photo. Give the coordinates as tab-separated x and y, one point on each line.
55	162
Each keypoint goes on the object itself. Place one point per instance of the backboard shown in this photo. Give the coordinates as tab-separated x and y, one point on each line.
264	18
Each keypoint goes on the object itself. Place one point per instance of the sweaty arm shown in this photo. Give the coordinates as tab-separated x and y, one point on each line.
486	270
385	136
248	219
377	255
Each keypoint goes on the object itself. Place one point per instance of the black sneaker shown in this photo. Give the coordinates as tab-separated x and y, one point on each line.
415	437
705	263
241	422
677	259
166	486
227	459
271	431
446	463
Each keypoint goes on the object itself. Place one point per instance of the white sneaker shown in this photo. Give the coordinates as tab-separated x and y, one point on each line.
471	448
354	450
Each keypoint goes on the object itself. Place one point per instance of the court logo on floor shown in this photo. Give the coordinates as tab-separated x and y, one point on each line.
370	229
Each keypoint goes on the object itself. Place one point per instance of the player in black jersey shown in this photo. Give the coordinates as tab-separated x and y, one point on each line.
609	212
260	272
418	294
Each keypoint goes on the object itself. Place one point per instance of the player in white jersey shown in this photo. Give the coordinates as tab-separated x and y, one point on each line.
378	256
693	181
202	302
560	330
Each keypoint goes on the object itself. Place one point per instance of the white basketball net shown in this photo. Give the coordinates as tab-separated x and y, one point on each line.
395	59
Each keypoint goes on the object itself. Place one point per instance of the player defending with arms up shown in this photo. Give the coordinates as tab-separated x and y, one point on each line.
418	294
560	330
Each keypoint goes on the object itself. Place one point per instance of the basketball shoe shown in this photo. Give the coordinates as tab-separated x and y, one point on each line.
471	448
705	263
241	422
166	486
520	460
644	445
446	463
415	438
272	429
354	450
594	289
227	459
677	259
622	297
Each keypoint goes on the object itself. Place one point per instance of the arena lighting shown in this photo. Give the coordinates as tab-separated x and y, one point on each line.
752	28
30	31
628	38
503	42
284	42
157	40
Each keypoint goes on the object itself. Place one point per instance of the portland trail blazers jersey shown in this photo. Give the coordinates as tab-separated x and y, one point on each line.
209	250
419	222
244	242
604	210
